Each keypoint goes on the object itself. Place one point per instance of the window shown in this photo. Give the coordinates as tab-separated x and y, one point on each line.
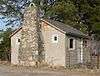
18	40
55	38
71	44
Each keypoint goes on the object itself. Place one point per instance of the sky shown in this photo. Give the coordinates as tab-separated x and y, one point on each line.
19	4
3	24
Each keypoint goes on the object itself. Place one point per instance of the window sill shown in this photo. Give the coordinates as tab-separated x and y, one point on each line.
72	49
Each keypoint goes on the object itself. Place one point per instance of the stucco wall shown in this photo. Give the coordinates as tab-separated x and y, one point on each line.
15	47
54	52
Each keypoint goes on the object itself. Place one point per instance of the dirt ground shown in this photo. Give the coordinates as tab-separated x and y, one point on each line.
6	69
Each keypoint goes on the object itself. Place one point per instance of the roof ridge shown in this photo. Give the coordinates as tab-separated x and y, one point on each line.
65	27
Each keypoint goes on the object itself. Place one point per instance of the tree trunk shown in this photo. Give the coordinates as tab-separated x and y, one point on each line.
5	54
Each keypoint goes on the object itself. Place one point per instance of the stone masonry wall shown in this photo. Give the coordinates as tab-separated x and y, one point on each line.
29	38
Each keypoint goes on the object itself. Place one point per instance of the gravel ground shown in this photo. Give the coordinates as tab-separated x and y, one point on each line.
9	70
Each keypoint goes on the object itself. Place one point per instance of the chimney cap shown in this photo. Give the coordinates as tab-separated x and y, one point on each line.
32	5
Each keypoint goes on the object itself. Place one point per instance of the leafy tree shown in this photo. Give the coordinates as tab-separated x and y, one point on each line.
12	10
79	13
5	43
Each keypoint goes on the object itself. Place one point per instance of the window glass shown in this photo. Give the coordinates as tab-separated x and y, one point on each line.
71	44
18	40
55	38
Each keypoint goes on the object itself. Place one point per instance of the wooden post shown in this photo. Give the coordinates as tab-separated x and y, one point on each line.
97	61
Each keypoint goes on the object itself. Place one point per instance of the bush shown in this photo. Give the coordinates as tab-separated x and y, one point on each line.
5	56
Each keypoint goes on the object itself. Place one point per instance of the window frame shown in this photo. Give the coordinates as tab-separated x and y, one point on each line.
17	40
53	38
73	44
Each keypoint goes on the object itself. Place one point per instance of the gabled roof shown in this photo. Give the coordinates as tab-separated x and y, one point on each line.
66	28
17	30
63	27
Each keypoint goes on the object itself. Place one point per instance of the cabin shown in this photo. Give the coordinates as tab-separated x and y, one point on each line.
61	44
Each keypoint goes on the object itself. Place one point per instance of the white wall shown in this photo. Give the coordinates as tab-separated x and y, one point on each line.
54	51
15	47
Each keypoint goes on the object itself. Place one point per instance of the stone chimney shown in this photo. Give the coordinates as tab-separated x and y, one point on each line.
29	37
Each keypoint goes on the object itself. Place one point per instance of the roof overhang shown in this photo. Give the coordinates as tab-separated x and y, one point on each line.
70	34
17	30
53	26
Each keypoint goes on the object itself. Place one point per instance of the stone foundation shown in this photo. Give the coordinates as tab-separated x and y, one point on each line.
27	63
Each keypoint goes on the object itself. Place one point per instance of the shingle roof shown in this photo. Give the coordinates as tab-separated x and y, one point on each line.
66	28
